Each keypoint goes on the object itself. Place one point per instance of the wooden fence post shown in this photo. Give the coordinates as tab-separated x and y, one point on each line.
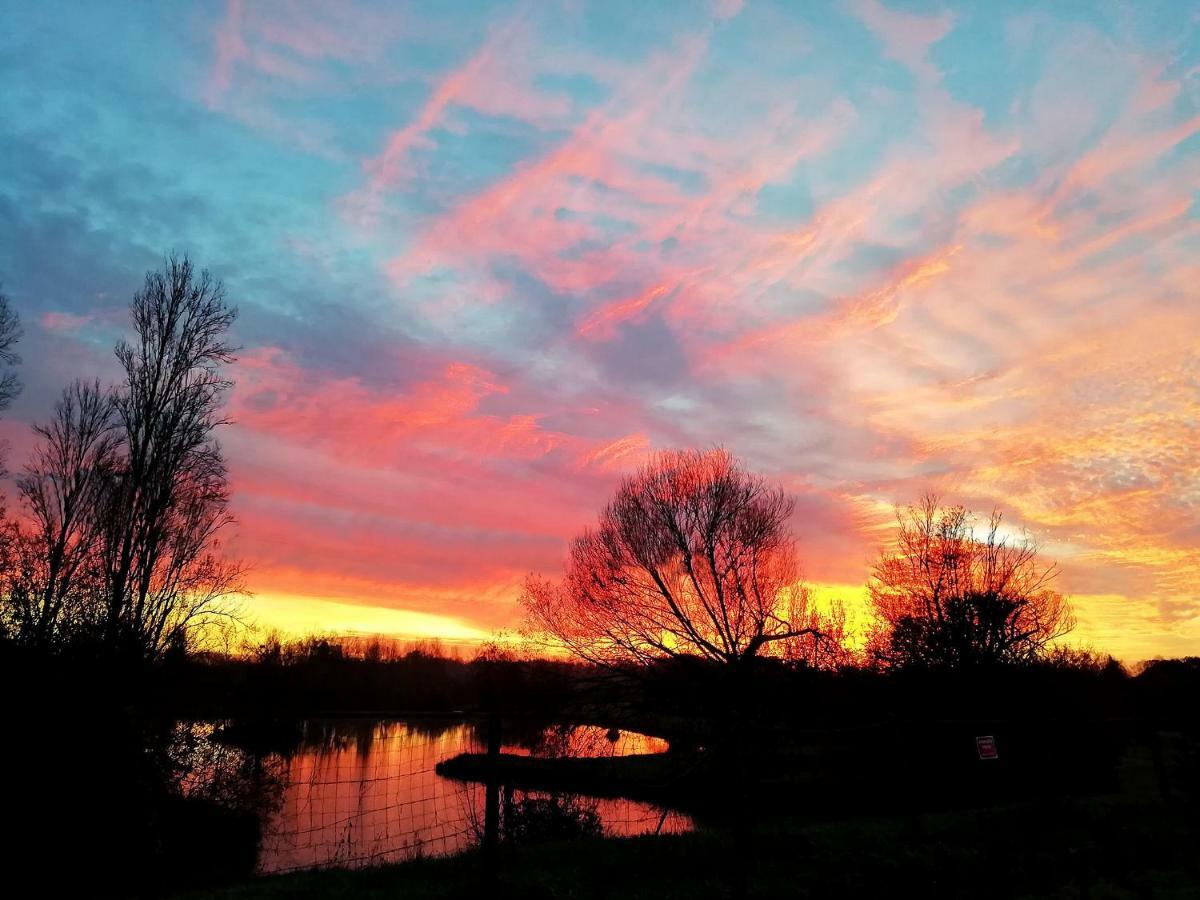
491	818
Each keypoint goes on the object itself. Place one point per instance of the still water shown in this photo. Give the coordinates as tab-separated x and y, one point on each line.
367	792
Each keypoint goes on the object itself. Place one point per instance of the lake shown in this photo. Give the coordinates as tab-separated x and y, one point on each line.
362	792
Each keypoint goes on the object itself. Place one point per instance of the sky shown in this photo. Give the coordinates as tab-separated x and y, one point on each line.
488	256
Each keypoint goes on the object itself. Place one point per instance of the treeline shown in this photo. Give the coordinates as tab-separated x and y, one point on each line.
114	549
686	699
315	676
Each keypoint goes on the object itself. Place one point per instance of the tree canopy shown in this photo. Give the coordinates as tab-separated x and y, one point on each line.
953	591
692	556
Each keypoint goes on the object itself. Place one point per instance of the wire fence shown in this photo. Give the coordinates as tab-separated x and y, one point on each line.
363	793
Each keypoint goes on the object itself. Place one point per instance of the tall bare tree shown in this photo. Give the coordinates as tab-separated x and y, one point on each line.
10	334
168	500
947	596
12	590
692	556
62	488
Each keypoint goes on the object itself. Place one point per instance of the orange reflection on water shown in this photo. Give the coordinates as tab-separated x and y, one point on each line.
364	793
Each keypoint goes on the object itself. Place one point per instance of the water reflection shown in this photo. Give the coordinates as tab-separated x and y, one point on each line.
354	793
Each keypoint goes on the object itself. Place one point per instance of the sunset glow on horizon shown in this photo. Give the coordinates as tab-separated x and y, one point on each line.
490	256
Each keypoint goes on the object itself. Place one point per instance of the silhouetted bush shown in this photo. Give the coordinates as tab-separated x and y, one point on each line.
532	819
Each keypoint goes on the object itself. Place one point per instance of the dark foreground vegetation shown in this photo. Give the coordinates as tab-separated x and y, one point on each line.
1069	849
834	782
863	784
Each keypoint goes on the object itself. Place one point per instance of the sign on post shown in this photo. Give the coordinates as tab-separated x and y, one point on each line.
986	745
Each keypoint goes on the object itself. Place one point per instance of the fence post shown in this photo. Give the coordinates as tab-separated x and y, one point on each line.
491	817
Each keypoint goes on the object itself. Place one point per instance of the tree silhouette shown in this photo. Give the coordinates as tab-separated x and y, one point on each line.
62	488
692	556
10	385
10	334
126	492
946	597
167	500
827	647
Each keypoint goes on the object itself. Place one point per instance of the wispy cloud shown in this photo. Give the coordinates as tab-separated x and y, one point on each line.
489	261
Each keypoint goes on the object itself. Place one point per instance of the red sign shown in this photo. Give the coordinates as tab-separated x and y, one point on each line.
986	746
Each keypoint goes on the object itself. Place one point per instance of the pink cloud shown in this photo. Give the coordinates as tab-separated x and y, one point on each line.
727	9
601	324
230	49
907	38
63	322
387	169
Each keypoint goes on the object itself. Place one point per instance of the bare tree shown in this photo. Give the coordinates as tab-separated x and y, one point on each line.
947	597
168	500
692	556
828	646
10	334
62	487
12	555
